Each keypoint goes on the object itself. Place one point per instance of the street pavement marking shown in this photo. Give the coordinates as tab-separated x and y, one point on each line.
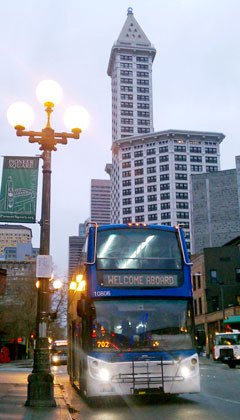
225	399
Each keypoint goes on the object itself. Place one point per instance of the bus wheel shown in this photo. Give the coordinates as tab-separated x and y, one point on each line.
232	365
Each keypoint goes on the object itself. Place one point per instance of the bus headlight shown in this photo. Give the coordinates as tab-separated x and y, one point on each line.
55	359
185	372
104	374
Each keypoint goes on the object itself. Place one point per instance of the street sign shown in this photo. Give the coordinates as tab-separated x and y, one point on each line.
44	266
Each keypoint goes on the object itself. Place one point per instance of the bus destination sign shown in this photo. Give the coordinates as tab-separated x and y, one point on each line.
139	280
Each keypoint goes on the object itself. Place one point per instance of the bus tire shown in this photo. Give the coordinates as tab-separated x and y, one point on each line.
232	365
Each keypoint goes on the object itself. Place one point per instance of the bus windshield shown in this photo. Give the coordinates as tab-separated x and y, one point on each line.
227	339
142	325
142	248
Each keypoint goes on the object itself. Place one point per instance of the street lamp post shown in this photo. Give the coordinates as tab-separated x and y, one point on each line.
40	381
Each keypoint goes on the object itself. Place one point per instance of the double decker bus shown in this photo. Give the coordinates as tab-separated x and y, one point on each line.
130	317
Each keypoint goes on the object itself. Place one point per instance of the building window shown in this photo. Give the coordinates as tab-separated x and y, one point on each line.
138	162
138	181
181	186
139	209
213	276
180	167
151	170
127	210
200	305
195	158
179	148
127	192
151	152
126	156
139	219
165	196
180	158
211	159
139	190
139	199
237	271
195	149
215	303
211	168
152	207
164	186
194	283
196	168
143	130
126	165
151	179
152	217
210	150
182	205
126	80
163	158
182	195
166	215
142	59
181	176
163	149
138	153
151	188
152	197
127	220
127	201
165	206
151	161
182	214
195	306
164	177
138	171
126	183
126	57
126	174
142	66
164	168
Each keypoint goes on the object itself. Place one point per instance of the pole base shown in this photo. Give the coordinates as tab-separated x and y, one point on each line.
40	390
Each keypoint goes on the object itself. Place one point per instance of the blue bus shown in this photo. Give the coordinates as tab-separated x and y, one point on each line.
130	318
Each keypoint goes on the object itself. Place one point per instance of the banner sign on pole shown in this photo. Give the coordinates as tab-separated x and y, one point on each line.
18	197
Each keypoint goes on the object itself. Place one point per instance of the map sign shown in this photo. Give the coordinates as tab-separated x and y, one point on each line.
18	196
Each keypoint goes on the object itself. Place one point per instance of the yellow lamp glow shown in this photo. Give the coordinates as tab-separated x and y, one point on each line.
73	285
79	277
20	114
49	92
81	286
76	118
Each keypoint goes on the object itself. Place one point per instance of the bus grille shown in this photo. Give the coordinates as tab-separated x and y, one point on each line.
226	353
147	377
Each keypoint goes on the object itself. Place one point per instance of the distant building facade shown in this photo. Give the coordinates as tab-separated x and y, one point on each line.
150	171
100	201
215	207
11	235
75	248
216	289
151	176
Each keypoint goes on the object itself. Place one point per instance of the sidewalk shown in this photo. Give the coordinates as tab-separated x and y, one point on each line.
13	395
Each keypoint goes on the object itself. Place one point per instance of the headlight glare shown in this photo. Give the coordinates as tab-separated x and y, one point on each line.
104	374
185	371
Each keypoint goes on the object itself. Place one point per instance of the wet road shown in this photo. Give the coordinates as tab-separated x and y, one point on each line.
219	399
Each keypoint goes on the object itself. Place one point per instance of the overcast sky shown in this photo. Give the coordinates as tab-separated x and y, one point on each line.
196	84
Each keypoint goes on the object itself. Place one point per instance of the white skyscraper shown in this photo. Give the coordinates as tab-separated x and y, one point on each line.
151	171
